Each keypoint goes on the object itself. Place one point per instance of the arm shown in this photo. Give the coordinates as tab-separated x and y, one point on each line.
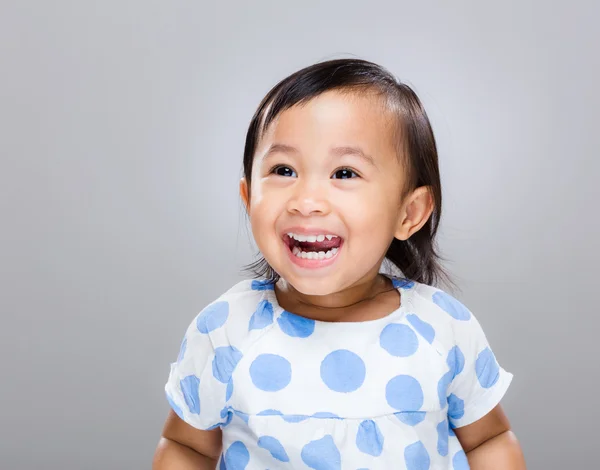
490	444
183	447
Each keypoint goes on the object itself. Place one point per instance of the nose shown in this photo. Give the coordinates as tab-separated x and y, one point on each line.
308	200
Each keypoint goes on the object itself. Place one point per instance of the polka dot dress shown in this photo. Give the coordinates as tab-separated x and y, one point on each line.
294	393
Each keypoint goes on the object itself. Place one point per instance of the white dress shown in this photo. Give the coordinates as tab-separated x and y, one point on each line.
294	393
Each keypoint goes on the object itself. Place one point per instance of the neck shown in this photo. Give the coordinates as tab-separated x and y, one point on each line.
335	305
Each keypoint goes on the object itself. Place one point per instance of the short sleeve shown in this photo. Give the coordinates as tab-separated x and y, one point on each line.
200	379
475	382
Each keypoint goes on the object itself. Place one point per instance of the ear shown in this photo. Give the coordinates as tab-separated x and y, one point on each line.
244	193
415	212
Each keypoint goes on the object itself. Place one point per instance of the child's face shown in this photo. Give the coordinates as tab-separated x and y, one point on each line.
301	188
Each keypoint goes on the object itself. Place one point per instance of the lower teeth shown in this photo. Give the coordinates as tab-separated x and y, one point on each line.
313	254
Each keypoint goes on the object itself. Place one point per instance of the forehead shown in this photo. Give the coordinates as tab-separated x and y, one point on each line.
336	118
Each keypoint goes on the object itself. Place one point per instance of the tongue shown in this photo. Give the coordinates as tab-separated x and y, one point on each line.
325	245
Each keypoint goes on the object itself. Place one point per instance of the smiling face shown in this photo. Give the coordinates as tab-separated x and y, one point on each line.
326	190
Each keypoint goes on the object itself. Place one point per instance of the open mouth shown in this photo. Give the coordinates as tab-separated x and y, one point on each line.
323	246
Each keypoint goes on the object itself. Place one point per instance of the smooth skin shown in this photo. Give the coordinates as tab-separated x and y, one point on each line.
183	447
332	164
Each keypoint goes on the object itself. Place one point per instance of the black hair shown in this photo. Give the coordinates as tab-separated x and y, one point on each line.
417	258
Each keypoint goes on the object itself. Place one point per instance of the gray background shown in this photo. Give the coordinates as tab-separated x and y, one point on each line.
122	130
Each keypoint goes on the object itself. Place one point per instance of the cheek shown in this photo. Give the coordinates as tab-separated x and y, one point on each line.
264	212
373	213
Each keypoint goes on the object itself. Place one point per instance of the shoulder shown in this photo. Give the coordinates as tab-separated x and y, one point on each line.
237	296
226	319
437	311
439	303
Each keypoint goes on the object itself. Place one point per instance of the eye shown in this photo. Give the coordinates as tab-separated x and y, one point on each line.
344	174
282	170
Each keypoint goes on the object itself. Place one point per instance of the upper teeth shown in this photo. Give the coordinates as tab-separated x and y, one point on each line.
310	238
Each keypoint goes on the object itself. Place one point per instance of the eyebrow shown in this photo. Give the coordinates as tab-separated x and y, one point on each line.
335	151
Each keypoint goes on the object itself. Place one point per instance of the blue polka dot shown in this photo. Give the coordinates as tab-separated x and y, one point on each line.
422	327
412	418
322	454
442	387
287	418
226	415
456	407
487	368
212	317
274	447
459	461
262	317
456	361
402	283
416	457
404	393
182	350
176	408
229	390
442	443
399	340
224	363
369	439
295	325
451	431
343	371
451	306
270	372
237	456
325	415
263	284
294	418
270	413
189	387
222	463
